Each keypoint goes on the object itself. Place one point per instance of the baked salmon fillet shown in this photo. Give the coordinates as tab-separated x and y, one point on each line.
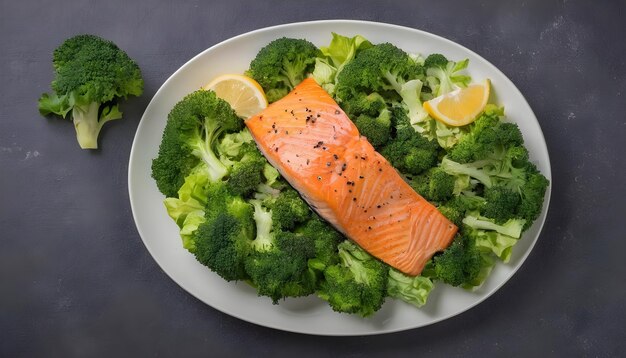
318	150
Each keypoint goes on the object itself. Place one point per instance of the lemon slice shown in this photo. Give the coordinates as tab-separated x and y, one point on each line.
243	93
459	107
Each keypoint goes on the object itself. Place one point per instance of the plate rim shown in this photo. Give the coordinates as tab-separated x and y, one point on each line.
482	299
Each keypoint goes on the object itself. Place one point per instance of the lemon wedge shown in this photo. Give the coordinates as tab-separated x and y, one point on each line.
460	107
244	94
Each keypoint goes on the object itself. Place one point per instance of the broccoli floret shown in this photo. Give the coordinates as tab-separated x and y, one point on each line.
247	172
532	193
356	285
460	263
288	209
278	261
456	208
326	239
434	184
376	130
506	166
493	154
487	135
361	103
442	75
380	77
91	75
282	270
222	242
282	64
192	131
501	203
411	153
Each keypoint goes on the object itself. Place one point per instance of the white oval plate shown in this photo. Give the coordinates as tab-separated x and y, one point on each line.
310	315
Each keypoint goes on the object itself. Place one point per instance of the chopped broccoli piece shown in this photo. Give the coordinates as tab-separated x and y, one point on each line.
512	227
379	78
326	239
278	261
442	75
191	134
247	172
222	242
340	52
460	263
456	208
282	64
411	153
376	130
501	203
288	209
356	285
434	184
91	75
532	192
487	135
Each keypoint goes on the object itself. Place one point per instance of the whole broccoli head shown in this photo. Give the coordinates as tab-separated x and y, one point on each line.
282	64
91	75
191	134
357	284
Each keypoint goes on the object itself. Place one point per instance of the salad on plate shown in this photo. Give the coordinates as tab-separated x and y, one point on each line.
355	172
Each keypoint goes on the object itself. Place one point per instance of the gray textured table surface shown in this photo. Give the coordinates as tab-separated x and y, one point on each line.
76	280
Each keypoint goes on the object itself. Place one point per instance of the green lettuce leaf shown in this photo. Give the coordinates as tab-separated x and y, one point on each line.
413	290
187	209
341	50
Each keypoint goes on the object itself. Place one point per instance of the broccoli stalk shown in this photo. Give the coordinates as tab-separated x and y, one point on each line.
265	236
201	143
512	227
91	75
